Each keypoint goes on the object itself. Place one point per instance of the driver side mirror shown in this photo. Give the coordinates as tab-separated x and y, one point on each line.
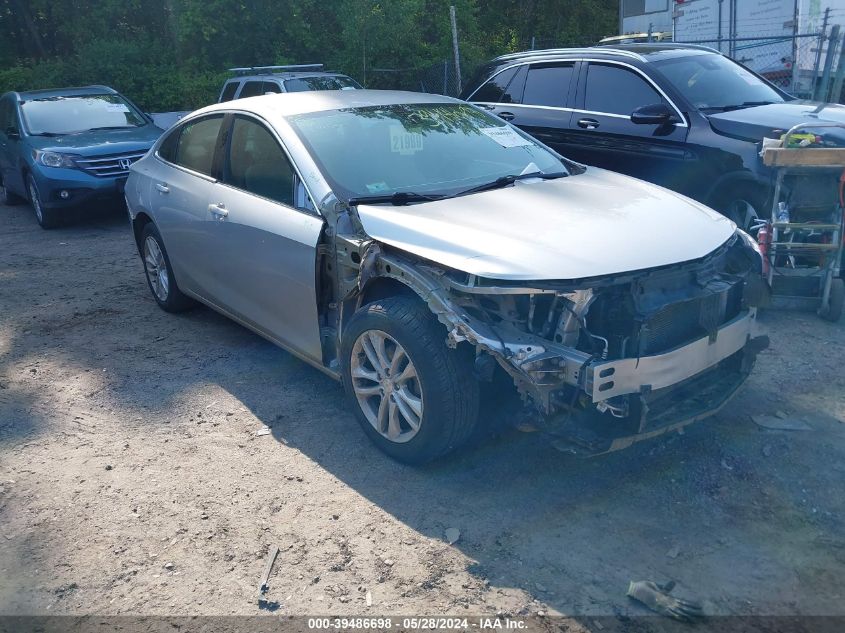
653	114
12	133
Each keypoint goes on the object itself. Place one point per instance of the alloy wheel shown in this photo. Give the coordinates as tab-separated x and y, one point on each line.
386	386
743	214
36	202
156	269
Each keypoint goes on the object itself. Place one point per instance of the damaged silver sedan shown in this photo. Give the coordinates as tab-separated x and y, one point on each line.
420	250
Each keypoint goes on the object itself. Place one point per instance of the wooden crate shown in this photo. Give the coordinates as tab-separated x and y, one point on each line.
804	157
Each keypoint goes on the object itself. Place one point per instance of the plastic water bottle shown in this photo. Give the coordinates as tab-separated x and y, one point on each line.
783	213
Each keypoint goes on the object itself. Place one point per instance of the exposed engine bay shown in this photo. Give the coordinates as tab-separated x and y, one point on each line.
599	363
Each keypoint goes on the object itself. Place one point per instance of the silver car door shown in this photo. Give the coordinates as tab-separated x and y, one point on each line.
181	184
265	248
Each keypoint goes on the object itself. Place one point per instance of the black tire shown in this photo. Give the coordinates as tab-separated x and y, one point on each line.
8	198
46	218
168	297
833	312
739	202
448	389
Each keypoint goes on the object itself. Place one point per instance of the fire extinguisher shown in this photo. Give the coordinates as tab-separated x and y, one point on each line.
764	239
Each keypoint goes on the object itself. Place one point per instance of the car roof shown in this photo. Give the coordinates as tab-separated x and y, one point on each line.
279	105
640	51
284	75
66	92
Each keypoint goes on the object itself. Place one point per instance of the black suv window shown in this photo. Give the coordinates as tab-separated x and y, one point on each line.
506	87
229	91
617	90
257	163
252	89
197	142
548	84
492	91
271	86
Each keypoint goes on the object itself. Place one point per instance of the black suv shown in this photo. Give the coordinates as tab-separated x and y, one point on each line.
681	116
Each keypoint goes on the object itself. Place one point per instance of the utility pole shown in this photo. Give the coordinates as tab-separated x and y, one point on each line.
819	47
455	48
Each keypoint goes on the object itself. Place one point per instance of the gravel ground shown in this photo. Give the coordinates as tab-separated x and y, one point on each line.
132	479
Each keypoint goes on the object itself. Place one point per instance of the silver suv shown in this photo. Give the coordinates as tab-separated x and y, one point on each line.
260	80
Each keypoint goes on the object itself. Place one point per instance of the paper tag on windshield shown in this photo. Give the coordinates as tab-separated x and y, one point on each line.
505	136
116	107
377	187
405	143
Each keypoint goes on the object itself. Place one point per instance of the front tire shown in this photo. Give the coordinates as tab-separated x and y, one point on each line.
744	205
159	273
415	398
46	218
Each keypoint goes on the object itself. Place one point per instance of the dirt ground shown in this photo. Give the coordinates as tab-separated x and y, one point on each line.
132	479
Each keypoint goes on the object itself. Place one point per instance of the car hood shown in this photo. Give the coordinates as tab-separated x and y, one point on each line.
97	142
753	124
587	225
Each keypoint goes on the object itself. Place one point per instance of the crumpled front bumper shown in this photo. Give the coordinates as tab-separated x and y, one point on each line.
606	379
666	392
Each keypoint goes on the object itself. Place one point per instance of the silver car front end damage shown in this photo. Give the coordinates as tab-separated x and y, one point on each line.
571	392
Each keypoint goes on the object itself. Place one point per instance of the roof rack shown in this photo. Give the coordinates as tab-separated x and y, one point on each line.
269	70
551	52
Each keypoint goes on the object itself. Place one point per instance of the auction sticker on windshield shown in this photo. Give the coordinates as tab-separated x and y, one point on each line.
405	143
506	136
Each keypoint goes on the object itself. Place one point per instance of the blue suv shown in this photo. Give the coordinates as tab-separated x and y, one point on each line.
60	149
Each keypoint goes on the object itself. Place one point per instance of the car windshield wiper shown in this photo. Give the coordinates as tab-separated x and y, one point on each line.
504	181
110	127
397	198
738	106
49	134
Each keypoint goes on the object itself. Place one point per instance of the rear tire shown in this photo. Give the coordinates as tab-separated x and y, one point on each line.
159	273
46	218
8	198
436	408
833	312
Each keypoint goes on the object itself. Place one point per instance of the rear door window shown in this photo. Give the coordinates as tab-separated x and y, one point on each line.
197	144
614	89
548	84
252	89
229	91
271	86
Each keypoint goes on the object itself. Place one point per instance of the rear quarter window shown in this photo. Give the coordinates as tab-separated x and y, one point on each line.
229	91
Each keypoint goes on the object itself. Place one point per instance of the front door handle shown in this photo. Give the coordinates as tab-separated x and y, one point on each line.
218	210
588	124
162	188
507	116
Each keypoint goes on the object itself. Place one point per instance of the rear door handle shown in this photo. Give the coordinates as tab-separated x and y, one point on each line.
588	124
218	210
507	116
162	188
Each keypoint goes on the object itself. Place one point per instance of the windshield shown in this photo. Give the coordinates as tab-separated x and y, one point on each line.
66	115
430	149
714	82
325	82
